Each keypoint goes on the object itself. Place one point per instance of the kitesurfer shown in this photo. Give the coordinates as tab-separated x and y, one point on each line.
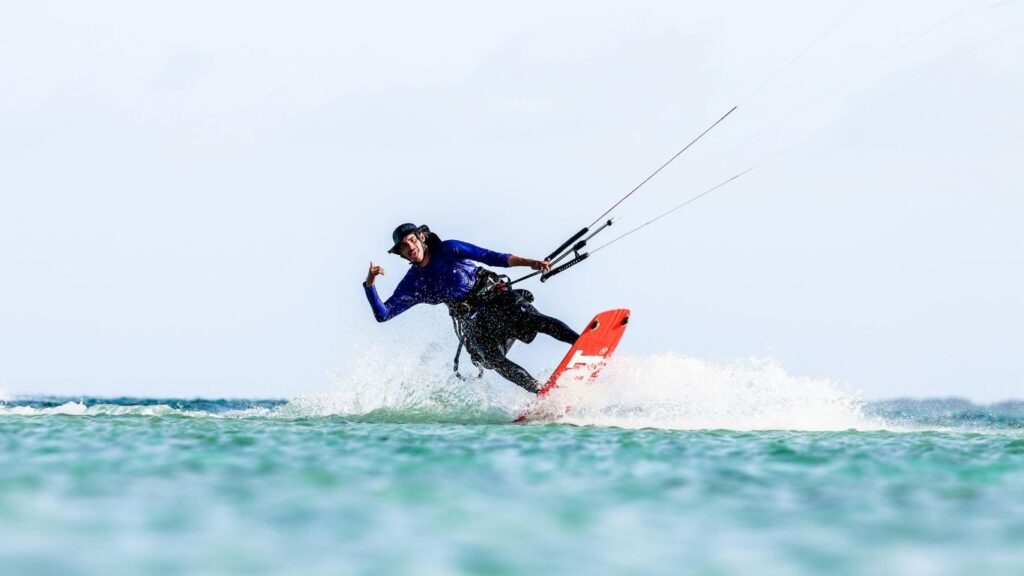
489	316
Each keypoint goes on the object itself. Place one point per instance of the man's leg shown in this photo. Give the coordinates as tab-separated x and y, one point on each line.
508	369
497	324
553	327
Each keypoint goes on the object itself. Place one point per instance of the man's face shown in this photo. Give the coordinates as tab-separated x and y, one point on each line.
412	249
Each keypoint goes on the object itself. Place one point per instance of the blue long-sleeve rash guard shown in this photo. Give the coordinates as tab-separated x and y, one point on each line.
448	277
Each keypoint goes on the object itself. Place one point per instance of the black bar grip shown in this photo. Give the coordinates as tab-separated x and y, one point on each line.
566	244
563	267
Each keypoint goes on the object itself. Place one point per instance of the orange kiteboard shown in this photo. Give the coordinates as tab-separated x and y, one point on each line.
587	356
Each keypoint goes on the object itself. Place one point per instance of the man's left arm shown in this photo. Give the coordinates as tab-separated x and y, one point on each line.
542	265
491	258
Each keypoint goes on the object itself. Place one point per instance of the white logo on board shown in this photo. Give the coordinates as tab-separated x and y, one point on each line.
580	358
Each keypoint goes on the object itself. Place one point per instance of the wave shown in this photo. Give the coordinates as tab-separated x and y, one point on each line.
684	393
406	376
949	413
665	391
131	406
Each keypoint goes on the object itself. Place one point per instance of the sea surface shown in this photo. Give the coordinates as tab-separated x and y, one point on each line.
427	482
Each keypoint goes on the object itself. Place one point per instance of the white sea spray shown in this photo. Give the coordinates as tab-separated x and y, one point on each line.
405	375
671	391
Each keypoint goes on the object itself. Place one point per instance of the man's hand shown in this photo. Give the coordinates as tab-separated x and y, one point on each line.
541	265
371	276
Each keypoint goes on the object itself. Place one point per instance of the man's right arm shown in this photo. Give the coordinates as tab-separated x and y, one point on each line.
400	301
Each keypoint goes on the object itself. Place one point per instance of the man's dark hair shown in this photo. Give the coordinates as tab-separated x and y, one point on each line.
432	240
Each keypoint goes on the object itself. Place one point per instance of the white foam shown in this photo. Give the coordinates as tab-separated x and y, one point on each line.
406	375
678	392
80	409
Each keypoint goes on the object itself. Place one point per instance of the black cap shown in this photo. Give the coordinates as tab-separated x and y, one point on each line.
401	232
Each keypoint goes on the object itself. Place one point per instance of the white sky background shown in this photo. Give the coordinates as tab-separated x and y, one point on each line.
190	192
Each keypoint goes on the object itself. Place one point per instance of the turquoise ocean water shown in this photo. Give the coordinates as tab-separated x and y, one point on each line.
760	473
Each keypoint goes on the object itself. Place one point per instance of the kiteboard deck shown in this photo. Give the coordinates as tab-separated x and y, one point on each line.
585	359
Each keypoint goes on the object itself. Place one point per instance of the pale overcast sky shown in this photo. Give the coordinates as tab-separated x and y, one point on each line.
190	192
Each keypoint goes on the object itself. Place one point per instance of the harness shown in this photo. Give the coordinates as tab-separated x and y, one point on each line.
489	285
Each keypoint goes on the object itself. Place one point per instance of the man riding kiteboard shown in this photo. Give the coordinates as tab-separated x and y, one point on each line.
488	315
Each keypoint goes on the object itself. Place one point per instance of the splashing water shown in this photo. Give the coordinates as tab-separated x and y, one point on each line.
683	393
664	391
384	386
405	376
